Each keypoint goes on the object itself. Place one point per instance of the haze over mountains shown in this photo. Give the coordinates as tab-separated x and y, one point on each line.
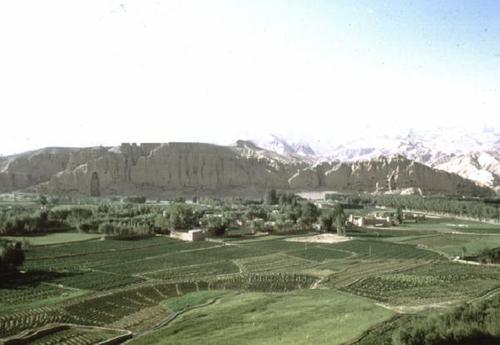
472	154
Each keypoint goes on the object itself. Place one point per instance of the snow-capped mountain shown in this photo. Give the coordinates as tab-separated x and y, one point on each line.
284	147
473	154
483	167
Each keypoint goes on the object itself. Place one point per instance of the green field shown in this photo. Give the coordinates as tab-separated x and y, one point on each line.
432	283
193	300
304	317
80	336
247	290
55	238
448	224
457	244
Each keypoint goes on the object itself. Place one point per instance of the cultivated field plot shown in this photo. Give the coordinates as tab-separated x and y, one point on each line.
55	238
448	224
76	336
195	256
274	245
273	262
33	289
436	282
194	272
94	280
457	244
114	249
15	322
372	249
29	296
92	247
351	271
142	320
129	306
254	287
262	282
321	254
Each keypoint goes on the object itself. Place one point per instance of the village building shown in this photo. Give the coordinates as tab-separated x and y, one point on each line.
370	220
190	235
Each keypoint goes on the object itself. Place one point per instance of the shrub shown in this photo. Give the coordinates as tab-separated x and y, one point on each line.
135	199
11	255
216	224
466	324
182	217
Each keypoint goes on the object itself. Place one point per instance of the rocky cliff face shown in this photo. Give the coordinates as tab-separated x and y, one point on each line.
384	175
31	168
156	169
471	153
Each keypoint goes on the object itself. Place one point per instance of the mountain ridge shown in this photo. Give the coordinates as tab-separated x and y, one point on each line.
458	152
159	169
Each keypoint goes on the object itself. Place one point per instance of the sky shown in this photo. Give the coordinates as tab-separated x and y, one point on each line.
102	72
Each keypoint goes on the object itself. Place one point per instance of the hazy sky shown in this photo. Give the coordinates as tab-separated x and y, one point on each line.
79	73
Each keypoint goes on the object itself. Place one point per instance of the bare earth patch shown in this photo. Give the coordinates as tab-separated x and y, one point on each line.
323	238
404	309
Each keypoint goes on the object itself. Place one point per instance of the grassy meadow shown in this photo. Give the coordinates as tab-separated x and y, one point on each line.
302	317
55	238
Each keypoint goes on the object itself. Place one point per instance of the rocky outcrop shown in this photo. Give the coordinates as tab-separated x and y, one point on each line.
391	175
166	167
196	168
31	168
307	178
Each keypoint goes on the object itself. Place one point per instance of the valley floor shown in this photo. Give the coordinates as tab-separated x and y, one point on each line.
266	290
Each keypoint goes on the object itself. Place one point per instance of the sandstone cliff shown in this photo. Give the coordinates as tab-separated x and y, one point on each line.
155	168
31	168
196	168
384	175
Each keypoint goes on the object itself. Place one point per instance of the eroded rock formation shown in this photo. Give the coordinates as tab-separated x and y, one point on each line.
154	169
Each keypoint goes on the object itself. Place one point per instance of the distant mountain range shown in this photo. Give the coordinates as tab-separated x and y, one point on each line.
474	155
245	168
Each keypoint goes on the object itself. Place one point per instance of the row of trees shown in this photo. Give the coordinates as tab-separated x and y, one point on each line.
26	222
477	209
87	218
274	197
334	219
285	212
295	215
487	256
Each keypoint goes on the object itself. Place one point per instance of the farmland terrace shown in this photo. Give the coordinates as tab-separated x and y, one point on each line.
270	289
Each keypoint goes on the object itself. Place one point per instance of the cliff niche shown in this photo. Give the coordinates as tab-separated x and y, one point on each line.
95	189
